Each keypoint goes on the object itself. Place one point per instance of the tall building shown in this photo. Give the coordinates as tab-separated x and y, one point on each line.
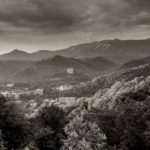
70	71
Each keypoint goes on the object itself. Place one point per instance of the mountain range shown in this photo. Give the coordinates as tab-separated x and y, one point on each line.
89	59
19	55
58	65
119	51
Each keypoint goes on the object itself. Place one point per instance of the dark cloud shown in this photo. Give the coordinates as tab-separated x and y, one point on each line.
54	16
49	15
73	18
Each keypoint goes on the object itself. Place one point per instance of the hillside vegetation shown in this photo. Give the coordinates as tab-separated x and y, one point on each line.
58	65
112	112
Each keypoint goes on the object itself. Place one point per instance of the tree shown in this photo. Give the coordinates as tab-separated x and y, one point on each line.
52	117
14	126
132	125
44	139
83	134
51	133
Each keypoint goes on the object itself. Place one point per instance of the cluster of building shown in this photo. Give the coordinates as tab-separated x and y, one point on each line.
17	93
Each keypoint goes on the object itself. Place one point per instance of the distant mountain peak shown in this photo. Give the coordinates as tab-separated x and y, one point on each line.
54	60
59	58
16	51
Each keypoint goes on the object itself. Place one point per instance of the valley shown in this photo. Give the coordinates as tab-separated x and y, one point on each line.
70	91
74	75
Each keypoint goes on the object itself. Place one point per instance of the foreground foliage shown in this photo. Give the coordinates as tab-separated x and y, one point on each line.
83	133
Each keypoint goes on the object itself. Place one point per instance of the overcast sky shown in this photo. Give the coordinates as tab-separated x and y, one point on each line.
32	25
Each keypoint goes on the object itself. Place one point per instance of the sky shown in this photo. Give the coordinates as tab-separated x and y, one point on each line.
33	25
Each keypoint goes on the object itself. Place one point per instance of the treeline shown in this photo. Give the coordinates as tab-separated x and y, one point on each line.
44	132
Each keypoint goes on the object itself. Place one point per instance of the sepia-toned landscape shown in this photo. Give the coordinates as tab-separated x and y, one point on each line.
75	75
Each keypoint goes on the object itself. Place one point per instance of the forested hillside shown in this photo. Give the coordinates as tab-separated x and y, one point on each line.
58	65
111	112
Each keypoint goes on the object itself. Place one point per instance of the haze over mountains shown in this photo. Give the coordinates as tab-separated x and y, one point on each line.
56	66
24	56
120	51
10	68
89	59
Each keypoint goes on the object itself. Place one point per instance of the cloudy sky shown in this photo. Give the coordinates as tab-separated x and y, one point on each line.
54	24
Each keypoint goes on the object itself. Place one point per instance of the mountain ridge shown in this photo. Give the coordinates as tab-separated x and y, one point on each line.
48	68
136	63
120	51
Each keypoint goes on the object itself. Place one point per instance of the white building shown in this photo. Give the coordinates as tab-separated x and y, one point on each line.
64	87
70	71
10	85
6	93
38	91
